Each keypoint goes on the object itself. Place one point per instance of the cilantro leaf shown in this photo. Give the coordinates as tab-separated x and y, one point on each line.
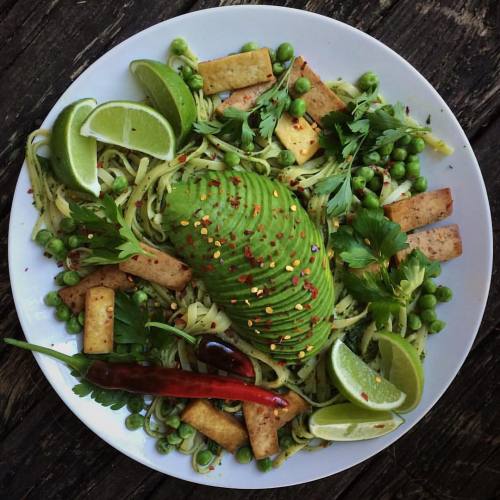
273	106
351	249
340	186
129	321
115	399
369	287
209	127
112	240
238	122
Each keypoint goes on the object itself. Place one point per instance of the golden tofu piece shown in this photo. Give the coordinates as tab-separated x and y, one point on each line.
441	243
421	209
320	100
108	276
244	99
158	267
261	424
219	426
99	315
298	136
296	406
236	71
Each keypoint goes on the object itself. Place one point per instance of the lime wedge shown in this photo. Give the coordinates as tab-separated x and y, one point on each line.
133	126
348	422
74	157
170	95
359	383
402	366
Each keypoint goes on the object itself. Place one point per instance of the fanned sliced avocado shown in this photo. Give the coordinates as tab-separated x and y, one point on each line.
260	256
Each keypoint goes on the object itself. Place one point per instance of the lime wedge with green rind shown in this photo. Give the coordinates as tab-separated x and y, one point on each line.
348	422
131	125
359	383
168	92
402	366
74	157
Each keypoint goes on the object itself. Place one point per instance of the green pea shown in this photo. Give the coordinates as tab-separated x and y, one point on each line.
52	299
398	170
420	184
375	184
135	404
195	82
404	141
265	465
284	52
185	430
43	237
413	159
366	172
414	321
428	316
179	46
67	225
163	447
358	183
286	441
204	458
370	201
174	439
139	297
286	158
134	421
71	278
444	294
81	318
371	158
249	46
244	455
248	147
399	154
173	421
417	145
298	107
429	286
55	246
62	312
278	68
73	326
119	184
272	55
412	169
302	85
427	301
73	241
436	326
58	278
386	149
186	72
368	80
231	159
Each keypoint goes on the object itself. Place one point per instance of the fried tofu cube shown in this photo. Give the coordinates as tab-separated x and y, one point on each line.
108	276
440	244
236	71
158	267
244	99
320	100
296	406
262	431
99	315
224	429
298	136
421	209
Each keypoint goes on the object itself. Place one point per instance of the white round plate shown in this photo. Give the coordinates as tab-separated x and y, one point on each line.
334	50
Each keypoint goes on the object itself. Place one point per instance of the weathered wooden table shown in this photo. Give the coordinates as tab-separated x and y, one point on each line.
45	452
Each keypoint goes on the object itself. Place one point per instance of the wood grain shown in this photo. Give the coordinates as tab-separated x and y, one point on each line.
45	452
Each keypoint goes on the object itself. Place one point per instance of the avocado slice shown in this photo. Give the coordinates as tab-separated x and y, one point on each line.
260	256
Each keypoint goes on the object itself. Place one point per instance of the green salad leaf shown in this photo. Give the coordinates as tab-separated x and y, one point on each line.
129	321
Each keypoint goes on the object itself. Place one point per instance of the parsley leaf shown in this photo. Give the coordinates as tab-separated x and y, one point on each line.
129	321
112	240
115	399
351	249
273	105
209	127
340	186
238	123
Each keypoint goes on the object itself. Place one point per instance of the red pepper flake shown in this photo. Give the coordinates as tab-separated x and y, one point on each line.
232	246
315	320
235	180
232	268
273	243
256	210
279	235
312	259
233	301
30	191
311	288
139	203
182	158
379	426
232	236
247	232
261	228
214	182
135	257
303	67
282	363
189	240
180	322
234	201
295	280
294	183
100	164
364	396
302	234
213	325
246	278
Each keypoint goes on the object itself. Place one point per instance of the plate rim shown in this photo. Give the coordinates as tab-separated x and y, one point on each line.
177	473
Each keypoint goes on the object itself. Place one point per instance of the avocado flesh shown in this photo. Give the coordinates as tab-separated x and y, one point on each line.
261	258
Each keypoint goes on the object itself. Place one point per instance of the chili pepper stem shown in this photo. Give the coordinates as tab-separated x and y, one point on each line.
172	329
79	364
